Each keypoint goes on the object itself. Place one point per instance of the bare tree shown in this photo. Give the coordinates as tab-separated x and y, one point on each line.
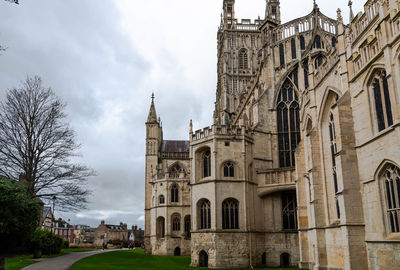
37	143
13	1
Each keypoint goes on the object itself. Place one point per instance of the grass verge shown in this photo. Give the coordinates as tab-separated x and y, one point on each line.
136	259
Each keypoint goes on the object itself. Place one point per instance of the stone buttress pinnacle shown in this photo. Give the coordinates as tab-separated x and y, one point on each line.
152	118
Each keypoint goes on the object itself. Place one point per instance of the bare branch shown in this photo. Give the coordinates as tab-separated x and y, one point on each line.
36	141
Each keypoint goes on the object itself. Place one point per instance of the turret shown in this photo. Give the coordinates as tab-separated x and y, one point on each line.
273	11
228	13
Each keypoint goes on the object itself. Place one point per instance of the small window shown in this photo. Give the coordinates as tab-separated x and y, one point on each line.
176	224
227	143
317	43
187	227
160	228
207	163
161	199
229	170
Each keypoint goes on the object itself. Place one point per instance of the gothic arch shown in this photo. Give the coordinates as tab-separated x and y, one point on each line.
174	165
307	120
371	71
328	91
285	77
383	165
235	168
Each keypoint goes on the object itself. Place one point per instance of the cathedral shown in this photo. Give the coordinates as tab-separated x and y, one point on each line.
301	166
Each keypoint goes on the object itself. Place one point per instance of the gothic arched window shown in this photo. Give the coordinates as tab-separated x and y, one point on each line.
205	214
289	205
176	224
187	227
392	191
161	199
229	170
317	41
281	54
333	147
175	171
302	43
207	163
293	44
383	107
230	214
243	59
174	193
288	123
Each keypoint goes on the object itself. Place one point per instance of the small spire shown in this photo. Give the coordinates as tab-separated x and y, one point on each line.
315	4
191	127
351	10
152	117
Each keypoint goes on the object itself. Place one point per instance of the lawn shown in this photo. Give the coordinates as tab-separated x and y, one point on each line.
21	261
136	259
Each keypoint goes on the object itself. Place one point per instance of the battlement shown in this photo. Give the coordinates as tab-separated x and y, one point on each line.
244	24
222	130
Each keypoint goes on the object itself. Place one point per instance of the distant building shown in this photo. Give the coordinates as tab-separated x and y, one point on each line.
64	230
108	232
136	236
47	218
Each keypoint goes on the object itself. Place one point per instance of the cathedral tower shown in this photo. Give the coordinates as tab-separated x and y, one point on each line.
153	141
273	10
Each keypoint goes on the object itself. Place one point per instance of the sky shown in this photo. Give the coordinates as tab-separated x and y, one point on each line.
105	58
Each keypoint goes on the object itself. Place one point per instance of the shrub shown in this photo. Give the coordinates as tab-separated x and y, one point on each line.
65	244
47	242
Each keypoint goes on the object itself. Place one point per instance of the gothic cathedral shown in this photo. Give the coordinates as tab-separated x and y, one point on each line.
301	166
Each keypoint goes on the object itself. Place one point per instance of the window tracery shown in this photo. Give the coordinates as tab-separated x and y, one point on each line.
243	59
229	170
176	224
230	214
205	214
288	122
289	216
392	194
207	163
174	193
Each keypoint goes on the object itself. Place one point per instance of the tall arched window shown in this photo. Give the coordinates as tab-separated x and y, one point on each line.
230	214
229	170
302	43
174	193
175	171
207	163
317	41
160	227
243	59
187	227
281	54
176	223
293	45
392	194
288	124
289	205
205	214
333	147
383	107
161	199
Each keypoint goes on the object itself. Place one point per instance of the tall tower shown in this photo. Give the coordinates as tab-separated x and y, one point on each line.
154	138
273	10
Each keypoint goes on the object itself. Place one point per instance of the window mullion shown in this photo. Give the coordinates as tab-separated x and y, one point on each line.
383	100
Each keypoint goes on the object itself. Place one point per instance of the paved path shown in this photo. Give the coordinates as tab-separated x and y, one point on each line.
63	262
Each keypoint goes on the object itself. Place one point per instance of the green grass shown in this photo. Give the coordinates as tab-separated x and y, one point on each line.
20	261
136	259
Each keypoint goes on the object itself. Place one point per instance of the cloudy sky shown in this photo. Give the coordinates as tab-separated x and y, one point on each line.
104	59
